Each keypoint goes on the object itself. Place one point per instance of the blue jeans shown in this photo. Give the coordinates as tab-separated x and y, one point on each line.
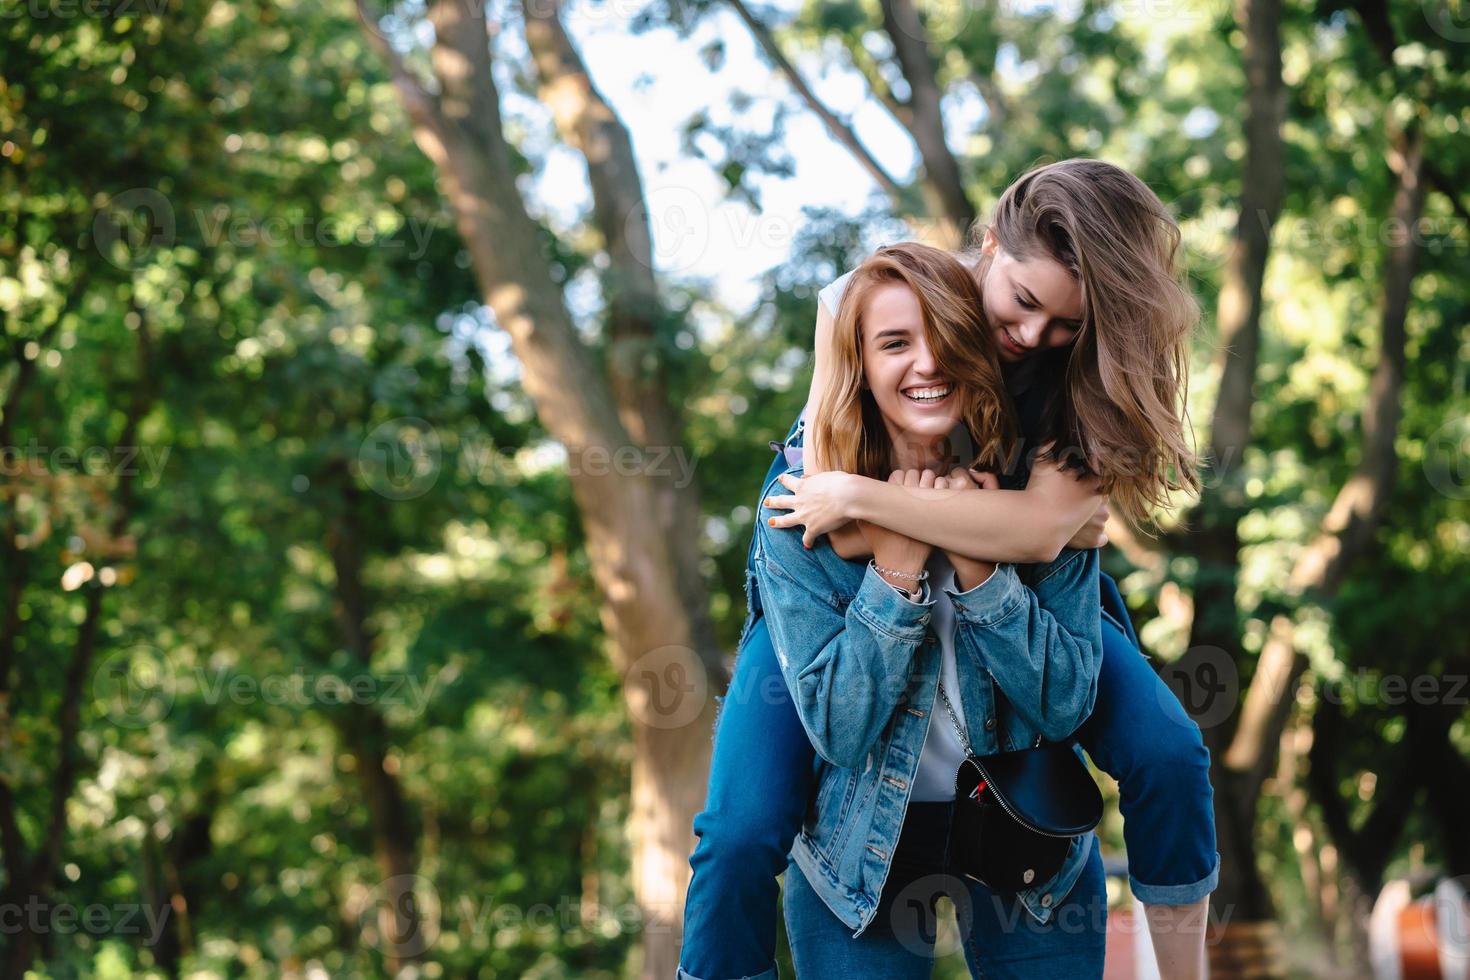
761	782
1000	938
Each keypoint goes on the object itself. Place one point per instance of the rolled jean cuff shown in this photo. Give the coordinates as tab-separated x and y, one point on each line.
770	974
1176	894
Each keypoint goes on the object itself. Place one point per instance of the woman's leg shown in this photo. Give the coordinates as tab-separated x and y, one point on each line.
759	786
1141	735
822	946
899	942
1003	941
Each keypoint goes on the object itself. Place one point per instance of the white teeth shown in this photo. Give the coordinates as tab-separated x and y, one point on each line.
928	394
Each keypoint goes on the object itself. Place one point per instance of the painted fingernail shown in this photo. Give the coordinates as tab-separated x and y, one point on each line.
771	521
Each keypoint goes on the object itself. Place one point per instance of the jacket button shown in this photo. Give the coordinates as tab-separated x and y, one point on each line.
1029	876
1046	901
990	724
924	619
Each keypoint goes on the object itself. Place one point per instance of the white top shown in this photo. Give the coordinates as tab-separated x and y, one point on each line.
831	294
943	751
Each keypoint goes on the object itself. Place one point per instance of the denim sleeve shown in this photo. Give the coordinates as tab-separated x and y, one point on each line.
847	668
1042	645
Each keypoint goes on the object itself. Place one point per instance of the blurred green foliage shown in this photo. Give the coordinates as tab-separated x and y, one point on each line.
315	335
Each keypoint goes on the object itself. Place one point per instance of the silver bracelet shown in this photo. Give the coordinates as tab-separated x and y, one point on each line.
910	576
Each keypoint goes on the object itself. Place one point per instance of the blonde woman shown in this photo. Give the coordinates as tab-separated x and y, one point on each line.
1078	284
902	664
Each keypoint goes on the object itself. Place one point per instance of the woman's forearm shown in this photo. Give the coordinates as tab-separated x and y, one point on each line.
990	525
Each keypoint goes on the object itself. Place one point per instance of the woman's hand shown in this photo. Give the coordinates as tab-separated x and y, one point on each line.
899	551
968	572
1094	533
817	503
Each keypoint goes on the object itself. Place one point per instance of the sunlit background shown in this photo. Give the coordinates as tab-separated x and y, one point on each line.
380	450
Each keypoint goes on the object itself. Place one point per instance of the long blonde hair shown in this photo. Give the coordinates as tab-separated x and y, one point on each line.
846	423
1123	401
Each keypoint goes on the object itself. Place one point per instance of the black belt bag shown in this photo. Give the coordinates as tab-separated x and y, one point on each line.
1016	813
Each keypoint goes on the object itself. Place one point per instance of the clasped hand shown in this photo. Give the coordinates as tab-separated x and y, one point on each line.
820	504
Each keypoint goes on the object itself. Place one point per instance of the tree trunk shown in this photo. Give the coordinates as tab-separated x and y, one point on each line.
635	311
402	934
1217	544
34	881
653	636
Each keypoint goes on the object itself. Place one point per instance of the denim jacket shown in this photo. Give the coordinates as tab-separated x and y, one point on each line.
862	664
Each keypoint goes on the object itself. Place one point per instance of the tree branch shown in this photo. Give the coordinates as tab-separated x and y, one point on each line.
840	130
588	122
429	124
943	182
460	59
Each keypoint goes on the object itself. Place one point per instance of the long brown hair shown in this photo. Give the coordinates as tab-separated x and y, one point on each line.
1122	405
847	428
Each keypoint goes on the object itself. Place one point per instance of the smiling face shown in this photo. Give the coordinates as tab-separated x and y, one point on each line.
918	404
1033	304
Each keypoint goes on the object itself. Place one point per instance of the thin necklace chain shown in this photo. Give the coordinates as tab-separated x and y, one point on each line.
955	719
